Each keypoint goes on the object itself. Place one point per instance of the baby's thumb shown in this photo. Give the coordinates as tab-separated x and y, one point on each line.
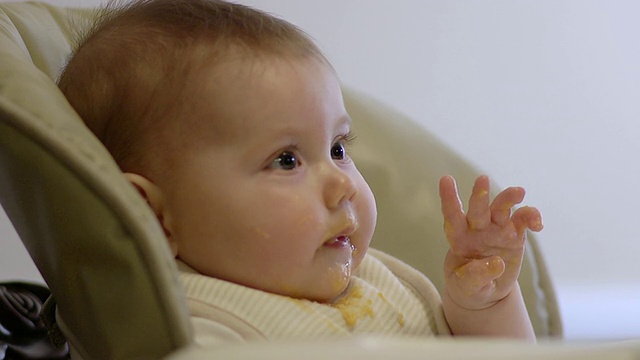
478	275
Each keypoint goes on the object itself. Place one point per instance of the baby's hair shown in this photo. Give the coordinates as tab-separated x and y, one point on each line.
126	75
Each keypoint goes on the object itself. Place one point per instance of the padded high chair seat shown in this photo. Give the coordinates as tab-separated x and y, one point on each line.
100	249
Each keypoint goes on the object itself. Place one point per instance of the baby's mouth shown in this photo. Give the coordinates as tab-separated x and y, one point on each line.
339	242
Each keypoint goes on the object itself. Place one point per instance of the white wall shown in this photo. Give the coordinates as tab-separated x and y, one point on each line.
542	94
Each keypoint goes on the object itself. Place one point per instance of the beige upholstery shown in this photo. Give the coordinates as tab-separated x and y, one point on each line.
100	249
96	244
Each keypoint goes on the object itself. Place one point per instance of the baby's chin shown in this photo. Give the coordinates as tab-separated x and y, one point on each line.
337	286
334	288
327	297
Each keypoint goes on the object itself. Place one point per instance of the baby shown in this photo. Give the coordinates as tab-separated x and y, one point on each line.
231	124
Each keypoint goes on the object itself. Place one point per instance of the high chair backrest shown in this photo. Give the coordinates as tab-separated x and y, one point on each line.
101	250
96	245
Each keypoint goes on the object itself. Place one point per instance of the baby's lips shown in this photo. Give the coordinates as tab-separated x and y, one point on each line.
343	237
339	242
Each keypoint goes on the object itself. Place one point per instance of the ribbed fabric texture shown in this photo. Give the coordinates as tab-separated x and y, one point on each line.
376	303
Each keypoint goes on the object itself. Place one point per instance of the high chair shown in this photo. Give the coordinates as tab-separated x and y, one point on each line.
104	256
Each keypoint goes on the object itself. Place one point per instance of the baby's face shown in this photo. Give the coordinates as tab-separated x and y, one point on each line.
266	195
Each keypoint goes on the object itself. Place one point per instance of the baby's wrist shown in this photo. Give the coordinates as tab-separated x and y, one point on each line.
468	303
506	317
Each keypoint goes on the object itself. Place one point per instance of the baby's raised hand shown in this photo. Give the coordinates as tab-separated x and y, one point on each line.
486	244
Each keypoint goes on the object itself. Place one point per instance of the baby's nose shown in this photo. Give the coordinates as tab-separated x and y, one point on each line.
339	187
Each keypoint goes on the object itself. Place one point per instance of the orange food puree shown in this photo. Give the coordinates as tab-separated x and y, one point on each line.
400	315
353	306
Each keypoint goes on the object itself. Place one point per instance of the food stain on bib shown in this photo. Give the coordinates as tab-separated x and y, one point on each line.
400	314
353	306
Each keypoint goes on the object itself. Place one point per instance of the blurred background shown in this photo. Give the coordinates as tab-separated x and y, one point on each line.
543	94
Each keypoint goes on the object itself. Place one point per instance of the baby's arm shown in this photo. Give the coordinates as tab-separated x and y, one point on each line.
482	296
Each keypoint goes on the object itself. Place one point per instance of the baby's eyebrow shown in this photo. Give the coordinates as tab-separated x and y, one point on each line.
346	120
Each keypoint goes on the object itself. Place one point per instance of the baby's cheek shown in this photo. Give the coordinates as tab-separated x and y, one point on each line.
367	218
261	233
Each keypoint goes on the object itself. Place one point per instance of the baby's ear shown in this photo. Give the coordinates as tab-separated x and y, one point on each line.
154	197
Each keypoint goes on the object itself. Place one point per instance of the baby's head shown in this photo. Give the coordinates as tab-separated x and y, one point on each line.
231	124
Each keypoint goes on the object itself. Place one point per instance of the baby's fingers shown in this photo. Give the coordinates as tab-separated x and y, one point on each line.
504	201
527	217
479	215
452	211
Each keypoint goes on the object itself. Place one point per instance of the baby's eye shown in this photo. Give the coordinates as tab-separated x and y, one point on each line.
287	160
338	151
339	148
